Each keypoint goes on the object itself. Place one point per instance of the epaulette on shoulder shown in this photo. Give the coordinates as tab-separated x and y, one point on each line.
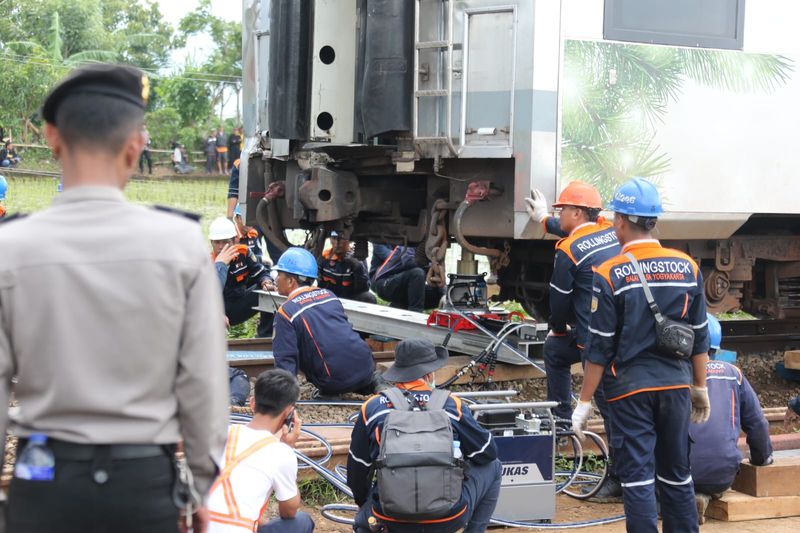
15	216
180	212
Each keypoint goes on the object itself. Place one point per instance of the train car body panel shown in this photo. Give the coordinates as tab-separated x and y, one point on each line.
382	119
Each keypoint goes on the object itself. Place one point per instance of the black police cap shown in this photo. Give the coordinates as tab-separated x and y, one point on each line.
117	81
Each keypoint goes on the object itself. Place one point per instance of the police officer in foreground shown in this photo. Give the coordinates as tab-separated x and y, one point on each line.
113	329
590	240
651	359
715	455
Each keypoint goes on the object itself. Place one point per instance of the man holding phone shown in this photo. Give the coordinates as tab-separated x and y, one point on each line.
259	460
240	274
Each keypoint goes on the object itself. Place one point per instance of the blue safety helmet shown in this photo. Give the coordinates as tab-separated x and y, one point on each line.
714	333
297	261
3	187
637	197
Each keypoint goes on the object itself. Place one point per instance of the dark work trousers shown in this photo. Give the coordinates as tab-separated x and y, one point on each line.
239	385
366	297
146	157
650	437
407	290
301	523
136	498
712	490
239	308
560	353
481	490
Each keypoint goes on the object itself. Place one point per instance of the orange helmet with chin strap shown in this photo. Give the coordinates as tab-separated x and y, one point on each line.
579	194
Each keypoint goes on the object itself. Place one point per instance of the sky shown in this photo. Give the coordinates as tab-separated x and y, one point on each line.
198	46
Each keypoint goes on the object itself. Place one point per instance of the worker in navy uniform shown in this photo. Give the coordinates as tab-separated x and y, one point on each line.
536	206
342	274
312	334
589	242
416	360
112	328
652	394
715	455
3	191
240	274
400	280
792	414
252	237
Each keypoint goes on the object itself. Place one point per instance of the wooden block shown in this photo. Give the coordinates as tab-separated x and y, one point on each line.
791	359
736	507
781	478
502	372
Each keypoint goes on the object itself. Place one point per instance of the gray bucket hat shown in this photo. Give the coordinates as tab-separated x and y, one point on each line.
413	358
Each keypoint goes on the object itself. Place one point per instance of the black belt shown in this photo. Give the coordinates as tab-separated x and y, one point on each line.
72	451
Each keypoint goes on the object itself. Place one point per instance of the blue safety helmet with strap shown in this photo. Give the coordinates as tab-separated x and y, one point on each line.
637	197
714	333
299	262
3	187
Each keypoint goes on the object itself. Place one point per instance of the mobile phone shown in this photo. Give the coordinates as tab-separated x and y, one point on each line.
289	422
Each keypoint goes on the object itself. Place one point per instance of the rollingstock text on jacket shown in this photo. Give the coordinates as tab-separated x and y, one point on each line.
622	334
571	284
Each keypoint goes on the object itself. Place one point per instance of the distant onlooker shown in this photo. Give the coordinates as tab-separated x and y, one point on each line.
8	155
179	159
221	144
146	153
234	147
210	151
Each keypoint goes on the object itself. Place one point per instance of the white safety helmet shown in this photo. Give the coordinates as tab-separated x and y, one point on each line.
221	229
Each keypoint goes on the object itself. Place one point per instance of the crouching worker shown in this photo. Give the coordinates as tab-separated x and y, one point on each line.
420	441
240	274
714	454
312	334
259	461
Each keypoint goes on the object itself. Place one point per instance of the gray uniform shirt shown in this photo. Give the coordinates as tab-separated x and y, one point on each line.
113	327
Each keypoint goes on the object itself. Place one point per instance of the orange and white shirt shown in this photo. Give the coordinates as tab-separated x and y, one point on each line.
255	465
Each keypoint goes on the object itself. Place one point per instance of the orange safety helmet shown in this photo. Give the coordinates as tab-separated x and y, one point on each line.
580	194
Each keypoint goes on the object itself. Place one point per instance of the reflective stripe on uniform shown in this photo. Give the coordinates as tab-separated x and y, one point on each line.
676	483
638	483
232	460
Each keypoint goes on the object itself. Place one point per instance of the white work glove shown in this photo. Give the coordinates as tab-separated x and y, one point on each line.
701	406
580	416
536	206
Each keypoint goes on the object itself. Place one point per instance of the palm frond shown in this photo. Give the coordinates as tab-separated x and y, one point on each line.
735	71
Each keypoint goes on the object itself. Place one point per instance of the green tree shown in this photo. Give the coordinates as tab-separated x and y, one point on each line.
614	96
225	62
185	95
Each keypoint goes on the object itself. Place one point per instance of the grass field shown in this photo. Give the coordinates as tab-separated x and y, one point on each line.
205	197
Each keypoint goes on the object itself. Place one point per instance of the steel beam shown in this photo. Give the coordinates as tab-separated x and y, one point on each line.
401	324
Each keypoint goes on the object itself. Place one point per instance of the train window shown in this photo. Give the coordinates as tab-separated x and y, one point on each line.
327	54
706	24
324	121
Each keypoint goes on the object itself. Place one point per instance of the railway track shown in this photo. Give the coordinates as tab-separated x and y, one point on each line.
751	336
136	177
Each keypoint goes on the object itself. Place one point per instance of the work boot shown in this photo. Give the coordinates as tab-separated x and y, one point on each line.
701	501
610	492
